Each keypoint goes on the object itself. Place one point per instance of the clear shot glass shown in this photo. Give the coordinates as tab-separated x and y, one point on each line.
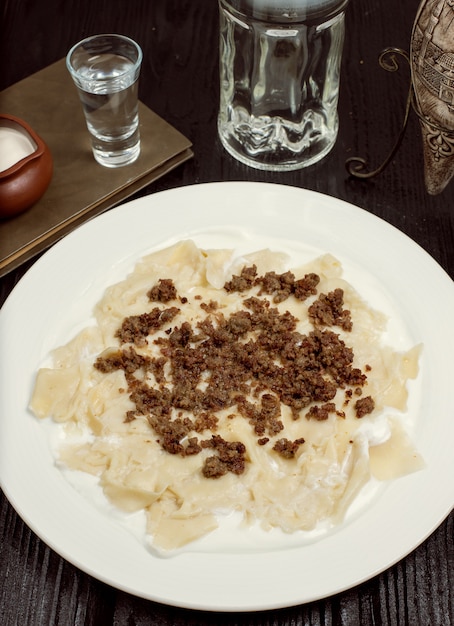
105	70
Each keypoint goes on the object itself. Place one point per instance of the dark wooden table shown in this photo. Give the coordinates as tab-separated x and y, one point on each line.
180	82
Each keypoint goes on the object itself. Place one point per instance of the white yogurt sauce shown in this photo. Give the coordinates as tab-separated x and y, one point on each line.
15	145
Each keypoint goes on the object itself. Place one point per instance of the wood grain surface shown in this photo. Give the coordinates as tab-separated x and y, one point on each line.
180	83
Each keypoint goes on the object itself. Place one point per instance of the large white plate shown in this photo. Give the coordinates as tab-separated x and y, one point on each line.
57	295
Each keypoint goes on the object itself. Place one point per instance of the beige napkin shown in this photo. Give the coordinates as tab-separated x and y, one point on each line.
80	187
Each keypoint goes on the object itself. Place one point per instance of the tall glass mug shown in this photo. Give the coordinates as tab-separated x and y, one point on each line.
279	80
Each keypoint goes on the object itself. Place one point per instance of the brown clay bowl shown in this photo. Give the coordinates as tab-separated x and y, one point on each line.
25	181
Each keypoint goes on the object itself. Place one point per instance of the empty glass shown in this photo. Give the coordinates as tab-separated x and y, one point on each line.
279	80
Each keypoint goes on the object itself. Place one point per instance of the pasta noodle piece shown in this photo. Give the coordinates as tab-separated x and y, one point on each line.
396	457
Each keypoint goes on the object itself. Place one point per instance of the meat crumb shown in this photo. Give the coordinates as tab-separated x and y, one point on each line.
164	291
322	412
280	286
136	328
364	406
287	449
244	281
230	457
328	310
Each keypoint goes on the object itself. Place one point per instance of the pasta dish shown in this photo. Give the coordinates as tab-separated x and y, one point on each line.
209	382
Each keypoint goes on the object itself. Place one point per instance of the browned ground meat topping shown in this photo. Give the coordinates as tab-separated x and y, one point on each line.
307	286
229	458
244	281
264	419
127	360
322	412
164	291
136	328
253	362
287	448
363	406
328	310
209	307
280	286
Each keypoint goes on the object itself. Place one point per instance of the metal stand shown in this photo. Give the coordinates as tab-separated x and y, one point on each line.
357	166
